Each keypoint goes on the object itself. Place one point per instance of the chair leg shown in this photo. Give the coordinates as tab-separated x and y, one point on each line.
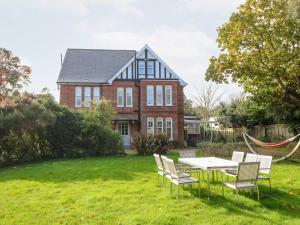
222	185
257	192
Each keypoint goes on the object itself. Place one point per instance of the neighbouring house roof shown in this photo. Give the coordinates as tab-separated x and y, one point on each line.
92	65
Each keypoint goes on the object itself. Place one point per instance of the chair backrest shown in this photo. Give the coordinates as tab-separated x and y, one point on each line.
165	163
251	157
265	163
158	162
187	154
237	156
248	171
172	168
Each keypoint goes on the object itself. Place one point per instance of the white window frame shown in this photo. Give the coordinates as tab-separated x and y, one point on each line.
160	119
87	97
78	94
168	88
96	94
150	130
159	100
150	63
169	119
128	94
120	93
142	70
150	93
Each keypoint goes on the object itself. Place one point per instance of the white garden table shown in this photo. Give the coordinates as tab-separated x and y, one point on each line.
207	164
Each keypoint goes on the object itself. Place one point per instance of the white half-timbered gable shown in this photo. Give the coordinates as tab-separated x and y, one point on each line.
146	65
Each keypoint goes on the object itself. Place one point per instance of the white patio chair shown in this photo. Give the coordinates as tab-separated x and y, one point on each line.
160	168
265	168
246	178
187	154
177	179
237	157
167	172
251	157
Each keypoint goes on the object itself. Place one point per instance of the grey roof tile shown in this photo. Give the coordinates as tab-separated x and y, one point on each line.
92	65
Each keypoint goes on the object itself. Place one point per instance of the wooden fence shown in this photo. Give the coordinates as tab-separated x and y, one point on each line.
205	133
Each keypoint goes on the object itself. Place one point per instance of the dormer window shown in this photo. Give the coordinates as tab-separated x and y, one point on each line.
141	68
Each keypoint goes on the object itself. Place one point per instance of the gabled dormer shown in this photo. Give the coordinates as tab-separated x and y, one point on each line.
146	64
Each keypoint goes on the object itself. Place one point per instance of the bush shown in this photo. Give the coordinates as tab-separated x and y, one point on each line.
146	144
161	143
35	128
143	143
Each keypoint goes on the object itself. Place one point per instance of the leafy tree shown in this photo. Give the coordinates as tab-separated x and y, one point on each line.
259	49
243	112
13	75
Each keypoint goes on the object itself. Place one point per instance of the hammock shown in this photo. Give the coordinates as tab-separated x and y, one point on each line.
273	145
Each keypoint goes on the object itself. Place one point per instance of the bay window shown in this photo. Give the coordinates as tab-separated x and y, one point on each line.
150	126
128	97
120	97
160	125
87	96
159	95
150	95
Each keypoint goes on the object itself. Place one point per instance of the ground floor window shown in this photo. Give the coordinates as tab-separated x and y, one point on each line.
169	128
160	125
150	126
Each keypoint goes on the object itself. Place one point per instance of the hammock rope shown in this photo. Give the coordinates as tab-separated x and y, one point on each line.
272	145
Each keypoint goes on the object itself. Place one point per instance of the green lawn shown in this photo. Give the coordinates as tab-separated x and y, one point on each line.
125	190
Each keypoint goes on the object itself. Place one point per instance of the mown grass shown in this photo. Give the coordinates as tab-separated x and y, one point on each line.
125	190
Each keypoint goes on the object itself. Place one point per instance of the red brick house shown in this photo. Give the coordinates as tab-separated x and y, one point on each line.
147	94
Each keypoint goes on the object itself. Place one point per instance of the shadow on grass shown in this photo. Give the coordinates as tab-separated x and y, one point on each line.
106	168
246	204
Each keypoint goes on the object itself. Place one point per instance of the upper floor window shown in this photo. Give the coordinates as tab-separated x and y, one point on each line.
128	97
87	96
160	125
78	98
159	95
150	95
168	95
150	126
169	128
141	67
96	94
120	97
150	68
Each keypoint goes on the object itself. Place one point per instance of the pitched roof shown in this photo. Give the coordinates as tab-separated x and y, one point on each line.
92	65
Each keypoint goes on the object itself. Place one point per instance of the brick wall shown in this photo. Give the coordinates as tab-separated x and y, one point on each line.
176	111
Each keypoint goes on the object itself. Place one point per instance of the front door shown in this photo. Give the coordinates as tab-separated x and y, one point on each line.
123	129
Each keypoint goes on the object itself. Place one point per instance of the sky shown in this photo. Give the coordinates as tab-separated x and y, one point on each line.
182	32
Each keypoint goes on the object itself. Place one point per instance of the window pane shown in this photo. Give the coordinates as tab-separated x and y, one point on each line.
150	125
87	96
96	93
78	93
150	95
159	125
150	67
141	67
168	95
169	128
120	97
129	97
159	95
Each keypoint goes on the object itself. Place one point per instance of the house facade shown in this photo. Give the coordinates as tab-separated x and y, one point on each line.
146	93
